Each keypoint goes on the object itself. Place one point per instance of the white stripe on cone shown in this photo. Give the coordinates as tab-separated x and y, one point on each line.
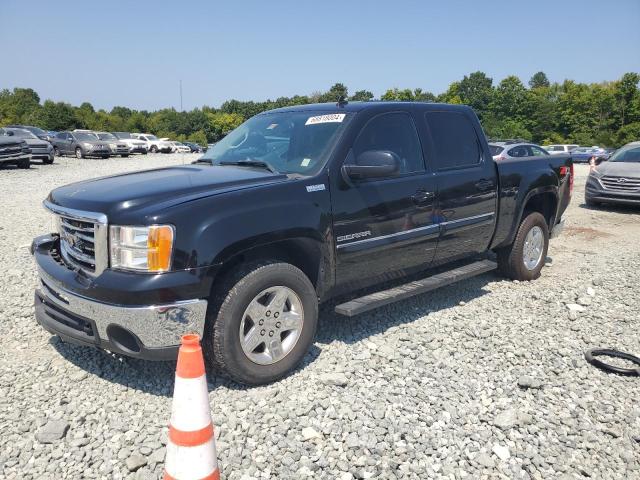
191	463
190	409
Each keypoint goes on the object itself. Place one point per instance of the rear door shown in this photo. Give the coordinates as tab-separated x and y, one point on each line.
467	184
384	227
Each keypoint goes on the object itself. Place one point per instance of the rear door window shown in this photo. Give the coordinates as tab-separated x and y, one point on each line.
454	140
519	151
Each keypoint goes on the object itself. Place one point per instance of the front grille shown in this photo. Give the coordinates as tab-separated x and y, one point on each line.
10	150
77	242
621	184
83	238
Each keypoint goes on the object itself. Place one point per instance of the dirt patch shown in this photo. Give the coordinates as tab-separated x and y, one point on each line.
586	232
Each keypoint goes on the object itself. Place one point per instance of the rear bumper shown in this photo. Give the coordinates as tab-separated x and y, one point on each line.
148	330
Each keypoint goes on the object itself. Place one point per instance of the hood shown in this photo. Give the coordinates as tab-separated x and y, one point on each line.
32	142
620	169
159	189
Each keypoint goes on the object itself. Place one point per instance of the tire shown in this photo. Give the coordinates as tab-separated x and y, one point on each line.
124	155
105	156
79	153
48	160
144	153
24	164
590	203
56	152
228	312
511	259
153	149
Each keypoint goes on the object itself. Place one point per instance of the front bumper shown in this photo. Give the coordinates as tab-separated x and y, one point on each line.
595	192
148	331
138	149
15	158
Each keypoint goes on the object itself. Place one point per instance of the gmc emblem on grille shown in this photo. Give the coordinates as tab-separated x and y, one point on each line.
622	180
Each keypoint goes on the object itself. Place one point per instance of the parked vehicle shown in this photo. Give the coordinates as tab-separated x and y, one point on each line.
179	147
80	144
135	145
193	147
294	207
38	132
585	154
117	146
14	151
616	180
154	144
559	149
501	151
40	149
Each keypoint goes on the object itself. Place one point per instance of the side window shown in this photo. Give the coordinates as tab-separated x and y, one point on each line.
520	151
454	139
536	151
61	135
393	132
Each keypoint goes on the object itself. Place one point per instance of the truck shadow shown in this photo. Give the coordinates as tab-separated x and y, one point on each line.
157	378
612	207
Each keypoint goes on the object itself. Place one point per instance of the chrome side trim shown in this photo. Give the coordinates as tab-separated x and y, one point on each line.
155	325
391	235
468	219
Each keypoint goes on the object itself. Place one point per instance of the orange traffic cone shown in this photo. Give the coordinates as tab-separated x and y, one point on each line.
191	449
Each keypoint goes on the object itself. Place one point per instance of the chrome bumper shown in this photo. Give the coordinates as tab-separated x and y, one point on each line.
155	326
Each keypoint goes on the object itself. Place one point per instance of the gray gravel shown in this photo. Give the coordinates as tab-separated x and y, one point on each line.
482	379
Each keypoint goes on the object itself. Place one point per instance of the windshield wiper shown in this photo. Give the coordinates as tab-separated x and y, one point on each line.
251	163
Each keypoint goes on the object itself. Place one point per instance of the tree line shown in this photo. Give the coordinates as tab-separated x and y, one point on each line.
606	113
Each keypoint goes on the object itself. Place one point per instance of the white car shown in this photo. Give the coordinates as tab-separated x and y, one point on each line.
180	147
559	149
135	145
154	144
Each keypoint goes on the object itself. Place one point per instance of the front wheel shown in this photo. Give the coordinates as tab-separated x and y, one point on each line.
48	160
79	153
25	164
56	152
261	322
524	258
154	149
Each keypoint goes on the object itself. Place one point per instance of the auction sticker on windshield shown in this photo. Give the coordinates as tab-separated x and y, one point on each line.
334	117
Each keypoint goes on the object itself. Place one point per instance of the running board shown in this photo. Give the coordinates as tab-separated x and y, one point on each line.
385	297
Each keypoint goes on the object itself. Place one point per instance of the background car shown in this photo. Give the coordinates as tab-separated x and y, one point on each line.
117	146
38	132
179	147
80	144
616	180
559	149
14	151
154	144
585	154
195	148
40	149
135	145
504	150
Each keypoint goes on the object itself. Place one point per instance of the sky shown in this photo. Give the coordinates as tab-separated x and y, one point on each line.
135	53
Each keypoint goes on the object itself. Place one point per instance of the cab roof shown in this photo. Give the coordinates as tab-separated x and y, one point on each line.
371	105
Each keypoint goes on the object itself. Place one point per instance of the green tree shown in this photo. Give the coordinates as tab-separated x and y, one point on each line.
539	80
476	90
362	96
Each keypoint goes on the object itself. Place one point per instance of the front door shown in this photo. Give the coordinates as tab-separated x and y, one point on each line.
384	227
467	184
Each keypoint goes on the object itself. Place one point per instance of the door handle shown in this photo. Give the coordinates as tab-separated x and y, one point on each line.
422	196
484	184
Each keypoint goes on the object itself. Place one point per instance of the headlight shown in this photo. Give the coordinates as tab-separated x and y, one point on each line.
146	249
88	146
113	148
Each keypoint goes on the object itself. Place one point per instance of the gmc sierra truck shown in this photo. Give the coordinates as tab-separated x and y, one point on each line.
294	207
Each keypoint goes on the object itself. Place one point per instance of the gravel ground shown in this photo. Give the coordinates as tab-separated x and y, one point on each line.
483	379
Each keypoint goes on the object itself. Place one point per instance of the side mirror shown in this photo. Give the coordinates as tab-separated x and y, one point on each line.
373	164
598	160
9	133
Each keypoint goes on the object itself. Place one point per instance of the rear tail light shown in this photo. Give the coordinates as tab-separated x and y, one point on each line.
564	171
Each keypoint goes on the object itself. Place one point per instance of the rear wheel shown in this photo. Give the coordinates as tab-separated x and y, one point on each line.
261	322
524	258
79	153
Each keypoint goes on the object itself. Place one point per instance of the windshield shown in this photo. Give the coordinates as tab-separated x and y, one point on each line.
20	133
37	131
90	137
628	153
123	135
495	150
289	142
151	137
106	136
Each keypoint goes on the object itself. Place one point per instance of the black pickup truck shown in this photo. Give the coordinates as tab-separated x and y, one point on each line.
296	206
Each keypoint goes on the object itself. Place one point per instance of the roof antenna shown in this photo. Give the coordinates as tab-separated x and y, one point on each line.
342	101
